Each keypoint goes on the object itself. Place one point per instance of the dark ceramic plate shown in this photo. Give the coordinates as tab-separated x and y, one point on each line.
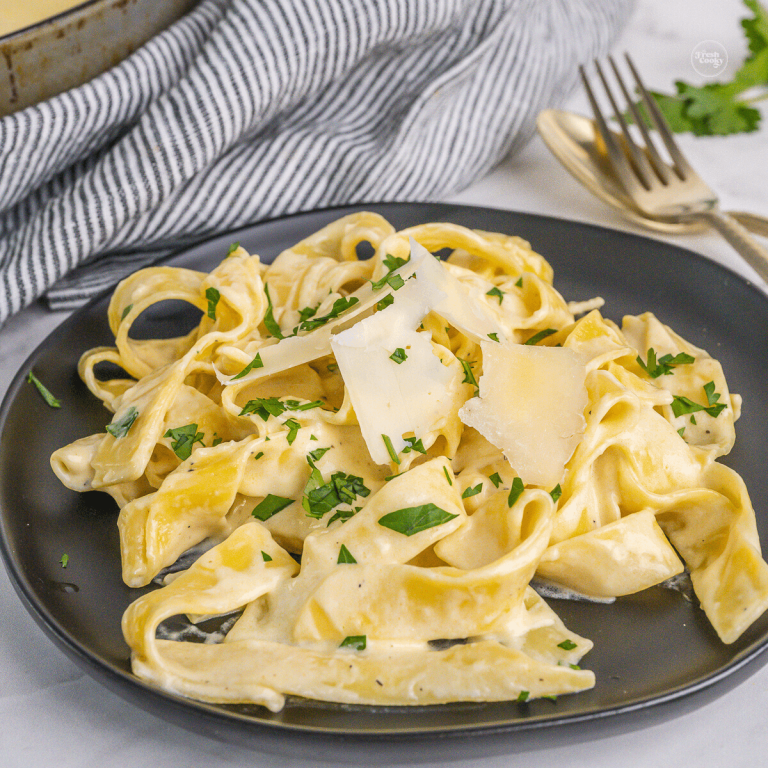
655	654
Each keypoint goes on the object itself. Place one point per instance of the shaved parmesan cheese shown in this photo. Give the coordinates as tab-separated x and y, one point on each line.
450	299
393	399
297	350
531	406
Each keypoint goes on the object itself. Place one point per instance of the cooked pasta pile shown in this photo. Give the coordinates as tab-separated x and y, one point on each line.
371	460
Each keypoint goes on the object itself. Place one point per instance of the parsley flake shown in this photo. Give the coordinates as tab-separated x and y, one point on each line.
232	248
339	306
126	312
255	363
497	293
269	506
556	493
269	317
390	449
385	302
412	520
469	491
567	645
356	642
345	556
495	478
515	491
183	439
399	356
469	377
121	427
266	557
665	364
64	560
45	393
494	337
537	337
213	297
523	696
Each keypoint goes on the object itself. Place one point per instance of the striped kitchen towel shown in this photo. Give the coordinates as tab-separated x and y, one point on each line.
250	109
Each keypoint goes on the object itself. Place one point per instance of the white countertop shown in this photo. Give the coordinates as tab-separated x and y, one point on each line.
53	714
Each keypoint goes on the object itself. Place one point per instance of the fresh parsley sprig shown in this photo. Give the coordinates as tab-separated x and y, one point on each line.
718	109
665	364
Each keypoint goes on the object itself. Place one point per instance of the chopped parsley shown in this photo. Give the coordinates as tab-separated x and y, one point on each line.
345	556
121	427
269	317
293	430
213	297
267	558
392	279
447	476
44	391
415	445
339	306
399	356
356	642
519	282
411	520
320	497
255	363
469	491
390	449
494	337
273	406
269	506
556	493
523	696
385	302
682	406
495	478
664	365
567	645
232	248
395	262
498	293
469	377
515	491
64	560
126	312
537	337
183	439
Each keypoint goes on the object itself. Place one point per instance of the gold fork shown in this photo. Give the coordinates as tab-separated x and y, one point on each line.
660	188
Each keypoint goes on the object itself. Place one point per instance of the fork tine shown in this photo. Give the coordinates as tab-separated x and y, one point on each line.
639	160
619	160
659	166
660	124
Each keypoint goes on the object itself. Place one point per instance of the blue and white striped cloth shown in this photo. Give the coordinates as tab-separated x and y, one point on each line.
250	109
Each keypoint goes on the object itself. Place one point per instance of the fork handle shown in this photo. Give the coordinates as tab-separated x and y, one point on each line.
753	253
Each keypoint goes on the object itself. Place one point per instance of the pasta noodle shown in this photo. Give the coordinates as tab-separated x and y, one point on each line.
367	464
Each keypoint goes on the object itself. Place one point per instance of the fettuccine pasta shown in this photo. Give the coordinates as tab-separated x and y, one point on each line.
363	466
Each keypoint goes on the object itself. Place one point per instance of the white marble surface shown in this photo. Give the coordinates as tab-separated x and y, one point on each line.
53	714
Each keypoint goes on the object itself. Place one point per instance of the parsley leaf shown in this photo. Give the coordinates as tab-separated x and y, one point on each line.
269	317
232	248
682	405
255	363
411	520
664	365
390	449
269	506
183	438
385	302
293	430
64	560
556	493
121	427
399	356
356	642
515	491
469	377
495	478
266	557
345	556
44	391
415	445
717	108
567	645
497	292
395	262
126	312
213	297
469	491
339	306
537	337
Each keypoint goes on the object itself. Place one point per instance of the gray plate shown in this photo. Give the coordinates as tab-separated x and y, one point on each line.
655	654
